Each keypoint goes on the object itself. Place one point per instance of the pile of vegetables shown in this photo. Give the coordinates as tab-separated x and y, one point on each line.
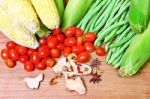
116	24
122	26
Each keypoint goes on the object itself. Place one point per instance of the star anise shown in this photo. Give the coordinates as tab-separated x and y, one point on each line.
96	71
95	63
95	78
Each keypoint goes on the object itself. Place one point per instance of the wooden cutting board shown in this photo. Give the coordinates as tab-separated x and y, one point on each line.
111	86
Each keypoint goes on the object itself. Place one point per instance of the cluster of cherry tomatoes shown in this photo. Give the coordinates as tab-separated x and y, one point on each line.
56	44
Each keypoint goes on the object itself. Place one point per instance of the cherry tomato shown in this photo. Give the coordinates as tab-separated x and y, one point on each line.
49	62
89	46
83	57
100	51
44	53
66	51
52	42
9	63
5	53
55	53
13	55
60	38
78	49
21	50
44	47
79	40
42	41
70	31
23	58
56	31
89	36
29	66
40	66
78	32
30	52
34	58
71	41
60	46
10	45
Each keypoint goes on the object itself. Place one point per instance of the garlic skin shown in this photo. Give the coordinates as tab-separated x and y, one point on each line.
34	83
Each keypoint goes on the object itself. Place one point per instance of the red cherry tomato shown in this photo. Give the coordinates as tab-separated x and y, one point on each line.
60	46
13	55
52	42
23	58
56	31
100	51
30	52
44	47
49	62
78	32
70	31
34	58
78	49
21	50
71	41
5	53
89	46
28	66
60	38
44	53
89	36
79	40
42	41
10	45
40	66
66	51
55	53
83	57
9	63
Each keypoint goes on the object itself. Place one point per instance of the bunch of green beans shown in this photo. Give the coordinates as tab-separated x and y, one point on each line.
108	19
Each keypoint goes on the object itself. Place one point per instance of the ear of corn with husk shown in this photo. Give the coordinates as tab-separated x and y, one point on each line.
15	32
137	54
139	14
47	12
22	12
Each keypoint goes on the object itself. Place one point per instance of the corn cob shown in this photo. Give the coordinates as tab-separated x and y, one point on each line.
21	11
47	12
74	12
139	15
137	54
15	32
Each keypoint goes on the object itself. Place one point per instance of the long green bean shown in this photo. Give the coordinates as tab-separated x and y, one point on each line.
117	60
108	55
120	43
119	4
106	13
122	9
100	14
94	4
101	35
94	11
120	51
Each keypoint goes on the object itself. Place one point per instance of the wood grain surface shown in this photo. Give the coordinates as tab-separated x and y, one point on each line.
111	86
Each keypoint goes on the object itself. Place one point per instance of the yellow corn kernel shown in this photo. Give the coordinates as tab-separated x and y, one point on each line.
15	32
47	12
21	11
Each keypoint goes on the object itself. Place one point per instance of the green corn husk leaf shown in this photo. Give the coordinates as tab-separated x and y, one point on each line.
139	14
137	54
43	31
